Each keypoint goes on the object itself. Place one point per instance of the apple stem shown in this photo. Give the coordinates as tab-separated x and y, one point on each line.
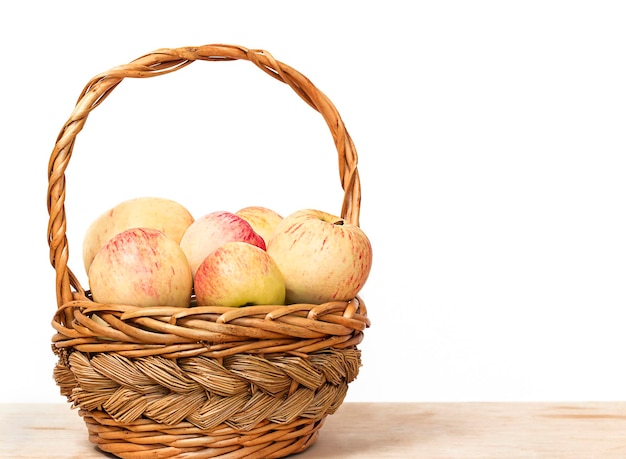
338	222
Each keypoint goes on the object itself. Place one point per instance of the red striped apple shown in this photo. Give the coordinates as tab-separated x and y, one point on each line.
213	230
141	267
322	257
262	220
145	212
239	274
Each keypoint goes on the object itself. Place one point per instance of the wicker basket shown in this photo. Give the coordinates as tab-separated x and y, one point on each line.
201	382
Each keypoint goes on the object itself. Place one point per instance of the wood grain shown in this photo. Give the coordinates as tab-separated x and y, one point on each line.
380	430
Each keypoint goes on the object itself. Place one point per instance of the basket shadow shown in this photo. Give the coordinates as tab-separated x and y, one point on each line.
367	430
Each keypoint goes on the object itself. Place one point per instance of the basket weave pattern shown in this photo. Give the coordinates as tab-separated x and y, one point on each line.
201	382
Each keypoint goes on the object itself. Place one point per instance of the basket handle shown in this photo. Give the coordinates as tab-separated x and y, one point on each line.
157	63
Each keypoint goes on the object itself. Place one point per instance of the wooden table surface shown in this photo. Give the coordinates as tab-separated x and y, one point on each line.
379	430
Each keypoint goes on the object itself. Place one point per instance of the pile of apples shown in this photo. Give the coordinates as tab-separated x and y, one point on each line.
151	251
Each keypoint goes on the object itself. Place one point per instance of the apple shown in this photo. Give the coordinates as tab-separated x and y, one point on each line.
144	212
213	230
141	267
322	257
239	274
262	220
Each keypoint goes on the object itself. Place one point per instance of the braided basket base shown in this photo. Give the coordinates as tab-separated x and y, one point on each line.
206	382
241	406
143	439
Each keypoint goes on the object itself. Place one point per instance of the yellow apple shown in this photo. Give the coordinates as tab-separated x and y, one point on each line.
144	212
239	274
262	220
321	256
141	267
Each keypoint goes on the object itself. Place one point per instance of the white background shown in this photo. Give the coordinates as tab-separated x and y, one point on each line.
491	139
